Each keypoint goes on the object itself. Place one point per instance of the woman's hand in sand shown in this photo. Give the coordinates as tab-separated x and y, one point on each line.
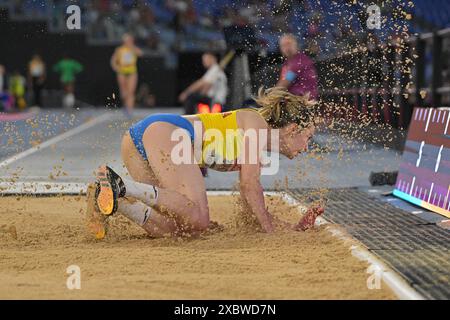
309	218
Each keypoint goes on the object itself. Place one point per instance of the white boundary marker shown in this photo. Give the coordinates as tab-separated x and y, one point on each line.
395	282
56	139
42	188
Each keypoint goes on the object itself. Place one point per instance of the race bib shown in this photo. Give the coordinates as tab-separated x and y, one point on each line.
127	58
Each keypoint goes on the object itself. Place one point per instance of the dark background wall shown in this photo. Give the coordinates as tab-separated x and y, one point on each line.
190	68
21	39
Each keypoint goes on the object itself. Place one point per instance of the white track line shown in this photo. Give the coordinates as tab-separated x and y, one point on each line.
42	188
395	282
56	139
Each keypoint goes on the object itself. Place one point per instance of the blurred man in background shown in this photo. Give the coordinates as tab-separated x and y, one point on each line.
36	78
298	73
210	89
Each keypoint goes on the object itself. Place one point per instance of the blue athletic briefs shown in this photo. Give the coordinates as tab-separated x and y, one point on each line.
137	129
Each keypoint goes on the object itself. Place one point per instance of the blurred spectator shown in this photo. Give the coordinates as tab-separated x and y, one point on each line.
124	63
209	89
169	25
298	73
374	61
2	78
185	14
36	78
68	69
314	35
344	36
17	84
314	26
280	12
6	100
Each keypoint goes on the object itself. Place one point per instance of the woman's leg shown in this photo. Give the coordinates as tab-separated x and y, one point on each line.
69	97
36	91
69	87
182	191
132	83
122	82
156	224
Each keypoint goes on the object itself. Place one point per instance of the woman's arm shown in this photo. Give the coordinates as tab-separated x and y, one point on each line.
253	196
196	86
138	51
252	192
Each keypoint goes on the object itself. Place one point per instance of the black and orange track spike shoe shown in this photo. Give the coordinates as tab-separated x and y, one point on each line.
110	188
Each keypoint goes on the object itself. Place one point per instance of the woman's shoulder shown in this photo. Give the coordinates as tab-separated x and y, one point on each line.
121	48
251	118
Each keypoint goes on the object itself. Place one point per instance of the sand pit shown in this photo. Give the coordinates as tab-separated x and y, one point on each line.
41	237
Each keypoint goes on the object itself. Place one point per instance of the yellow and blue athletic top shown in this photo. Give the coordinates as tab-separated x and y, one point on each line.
222	138
127	60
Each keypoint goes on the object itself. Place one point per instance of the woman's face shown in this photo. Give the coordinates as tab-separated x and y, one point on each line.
128	40
293	140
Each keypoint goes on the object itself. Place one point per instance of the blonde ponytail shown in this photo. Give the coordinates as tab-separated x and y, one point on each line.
279	107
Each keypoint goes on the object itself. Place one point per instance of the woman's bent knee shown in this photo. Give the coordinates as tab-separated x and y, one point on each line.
201	224
199	218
